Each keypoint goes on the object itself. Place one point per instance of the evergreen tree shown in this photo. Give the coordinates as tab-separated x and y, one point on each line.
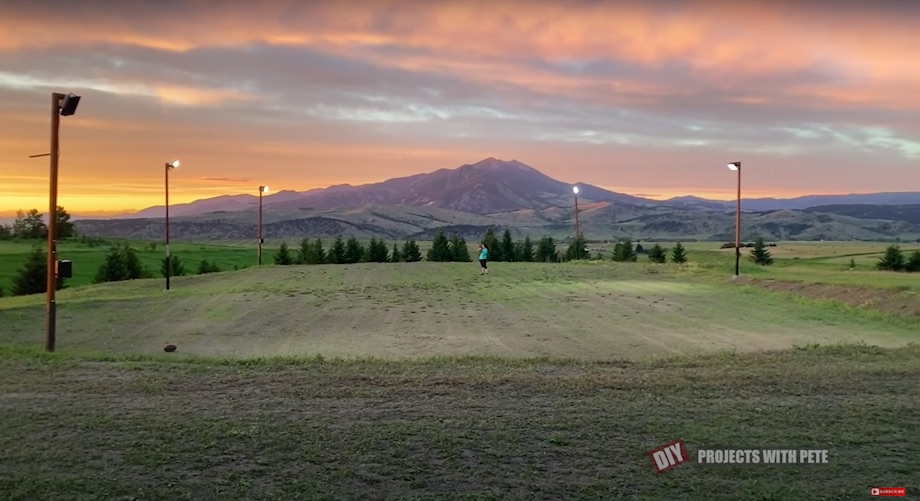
491	241
507	246
121	263
284	256
319	253
623	252
411	252
440	249
679	254
31	278
760	254
354	251
458	250
305	253
546	251
852	264
207	267
527	250
578	249
177	269
6	232
893	260
135	268
377	251
396	255
516	252
913	264
657	254
2	291
336	254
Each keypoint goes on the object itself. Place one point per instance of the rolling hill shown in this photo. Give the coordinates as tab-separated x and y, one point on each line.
600	221
505	194
801	203
907	213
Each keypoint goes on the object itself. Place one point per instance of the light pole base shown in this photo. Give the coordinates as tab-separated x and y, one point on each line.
736	277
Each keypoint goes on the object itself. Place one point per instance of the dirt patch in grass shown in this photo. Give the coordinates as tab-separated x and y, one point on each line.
904	303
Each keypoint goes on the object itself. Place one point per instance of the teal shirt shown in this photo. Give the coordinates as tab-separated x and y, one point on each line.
484	253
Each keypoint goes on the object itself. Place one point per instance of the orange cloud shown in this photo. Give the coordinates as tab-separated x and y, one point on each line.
600	85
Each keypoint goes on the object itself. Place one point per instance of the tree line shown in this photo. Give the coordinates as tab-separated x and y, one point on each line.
443	249
31	226
625	252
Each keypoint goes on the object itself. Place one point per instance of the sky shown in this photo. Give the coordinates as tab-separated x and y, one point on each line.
650	98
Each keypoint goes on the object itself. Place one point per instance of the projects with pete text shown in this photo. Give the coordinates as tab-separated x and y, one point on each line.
675	453
768	456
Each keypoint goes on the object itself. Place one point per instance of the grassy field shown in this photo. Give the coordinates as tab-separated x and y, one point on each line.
87	259
588	310
84	428
820	262
430	381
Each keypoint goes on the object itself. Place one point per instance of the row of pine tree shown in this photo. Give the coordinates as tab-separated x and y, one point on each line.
443	249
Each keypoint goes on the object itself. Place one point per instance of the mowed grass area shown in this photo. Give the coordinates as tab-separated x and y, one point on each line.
585	310
538	381
103	428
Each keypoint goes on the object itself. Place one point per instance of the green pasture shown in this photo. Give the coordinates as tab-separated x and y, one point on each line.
87	259
816	262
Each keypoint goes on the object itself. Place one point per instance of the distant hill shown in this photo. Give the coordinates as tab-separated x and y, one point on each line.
509	194
599	221
799	203
907	213
486	187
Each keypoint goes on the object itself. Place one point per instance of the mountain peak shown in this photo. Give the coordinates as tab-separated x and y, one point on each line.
489	186
493	163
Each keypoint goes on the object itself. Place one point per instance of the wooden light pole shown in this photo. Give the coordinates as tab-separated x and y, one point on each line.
169	166
262	189
577	231
61	105
736	166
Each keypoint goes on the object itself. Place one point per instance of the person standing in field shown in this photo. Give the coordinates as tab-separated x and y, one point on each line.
483	258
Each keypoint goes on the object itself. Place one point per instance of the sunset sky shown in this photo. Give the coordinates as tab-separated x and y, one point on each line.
648	98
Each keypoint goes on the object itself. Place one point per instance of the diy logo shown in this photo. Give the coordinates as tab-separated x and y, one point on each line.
669	455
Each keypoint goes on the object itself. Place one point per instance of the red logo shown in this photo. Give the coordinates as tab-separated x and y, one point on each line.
669	455
888	491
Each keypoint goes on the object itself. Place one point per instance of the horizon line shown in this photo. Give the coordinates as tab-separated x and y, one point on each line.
11	213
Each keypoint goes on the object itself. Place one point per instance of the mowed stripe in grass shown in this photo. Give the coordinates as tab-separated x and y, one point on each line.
591	311
453	428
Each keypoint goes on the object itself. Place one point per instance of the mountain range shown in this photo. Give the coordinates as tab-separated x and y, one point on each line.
510	194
